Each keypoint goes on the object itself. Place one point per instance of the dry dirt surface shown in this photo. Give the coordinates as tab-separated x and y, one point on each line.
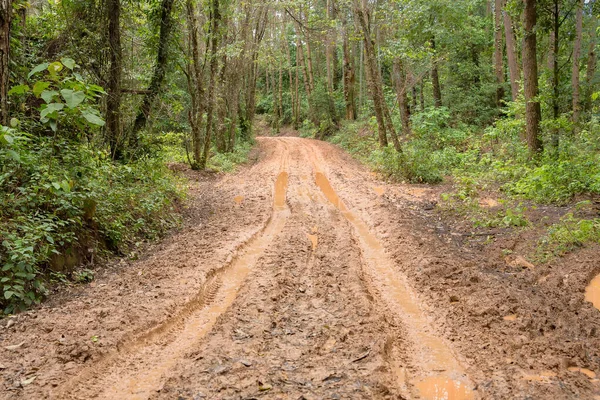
303	277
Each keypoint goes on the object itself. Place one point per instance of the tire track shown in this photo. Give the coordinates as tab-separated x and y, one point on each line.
140	366
436	373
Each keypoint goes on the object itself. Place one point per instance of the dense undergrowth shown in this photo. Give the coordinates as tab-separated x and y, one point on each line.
63	202
494	159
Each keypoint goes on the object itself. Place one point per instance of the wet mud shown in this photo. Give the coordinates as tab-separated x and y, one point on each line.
302	277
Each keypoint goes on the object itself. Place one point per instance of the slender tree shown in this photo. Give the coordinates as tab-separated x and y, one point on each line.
511	54
5	25
530	76
215	19
576	60
160	70
113	100
498	51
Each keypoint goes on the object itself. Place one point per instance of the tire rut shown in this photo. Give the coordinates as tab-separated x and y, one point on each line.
140	366
435	370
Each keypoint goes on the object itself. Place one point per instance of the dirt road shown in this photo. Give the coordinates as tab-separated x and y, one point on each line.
299	277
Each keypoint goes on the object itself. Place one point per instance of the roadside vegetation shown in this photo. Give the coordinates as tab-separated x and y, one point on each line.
98	100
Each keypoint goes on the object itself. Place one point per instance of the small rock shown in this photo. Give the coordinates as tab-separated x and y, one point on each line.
10	323
454	299
246	363
521	262
265	387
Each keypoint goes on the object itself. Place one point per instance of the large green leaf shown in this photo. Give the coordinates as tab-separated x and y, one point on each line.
37	69
48	95
68	62
39	87
52	107
55	67
19	89
92	118
73	98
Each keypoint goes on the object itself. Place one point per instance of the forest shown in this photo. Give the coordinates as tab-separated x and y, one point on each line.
97	97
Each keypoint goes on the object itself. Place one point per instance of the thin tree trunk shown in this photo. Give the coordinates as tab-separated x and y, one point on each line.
160	70
498	52
113	101
309	63
530	76
435	78
511	55
401	95
591	66
422	95
349	76
280	92
576	60
197	83
215	19
291	81
362	18
5	22
555	77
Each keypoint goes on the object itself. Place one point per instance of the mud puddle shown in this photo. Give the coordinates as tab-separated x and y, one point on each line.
432	354
592	292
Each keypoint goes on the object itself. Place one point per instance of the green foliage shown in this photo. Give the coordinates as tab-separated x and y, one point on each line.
227	162
68	202
567	235
67	98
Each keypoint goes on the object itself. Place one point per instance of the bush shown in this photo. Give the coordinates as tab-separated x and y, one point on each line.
61	201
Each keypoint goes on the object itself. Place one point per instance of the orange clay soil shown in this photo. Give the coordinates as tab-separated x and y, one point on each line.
303	277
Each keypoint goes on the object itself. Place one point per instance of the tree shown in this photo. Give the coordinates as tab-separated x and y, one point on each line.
576	60
113	100
498	51
362	19
215	19
511	55
530	77
5	25
160	70
195	82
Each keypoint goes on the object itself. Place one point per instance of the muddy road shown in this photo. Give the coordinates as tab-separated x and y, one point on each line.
301	277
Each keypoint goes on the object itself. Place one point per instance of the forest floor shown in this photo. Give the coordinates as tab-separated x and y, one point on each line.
302	276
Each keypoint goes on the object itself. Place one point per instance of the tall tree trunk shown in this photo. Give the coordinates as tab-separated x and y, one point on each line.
511	55
498	52
349	75
258	32
215	19
5	22
422	95
221	105
401	95
291	81
197	83
373	77
309	63
160	70
113	101
530	77
576	60
555	72
435	77
591	66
